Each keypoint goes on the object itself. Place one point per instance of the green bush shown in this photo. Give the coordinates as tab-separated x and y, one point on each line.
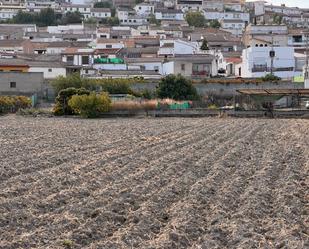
270	77
90	106
148	94
176	87
13	103
112	86
62	107
116	87
34	112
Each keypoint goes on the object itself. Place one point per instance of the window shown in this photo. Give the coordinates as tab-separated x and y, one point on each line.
50	70
70	59
109	46
85	60
183	67
12	84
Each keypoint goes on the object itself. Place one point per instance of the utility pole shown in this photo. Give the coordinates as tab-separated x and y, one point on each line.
272	54
306	76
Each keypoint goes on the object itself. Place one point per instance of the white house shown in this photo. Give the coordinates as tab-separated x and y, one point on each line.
178	47
283	9
144	9
85	10
83	2
8	12
37	6
64	29
189	5
134	21
217	5
257	35
50	70
196	66
124	13
78	56
146	63
297	38
169	14
234	6
236	27
102	43
226	15
100	13
257	62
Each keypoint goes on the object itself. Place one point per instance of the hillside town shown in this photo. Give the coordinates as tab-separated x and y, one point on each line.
199	39
154	124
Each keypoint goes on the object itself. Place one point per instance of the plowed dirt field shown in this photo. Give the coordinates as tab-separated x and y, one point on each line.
153	183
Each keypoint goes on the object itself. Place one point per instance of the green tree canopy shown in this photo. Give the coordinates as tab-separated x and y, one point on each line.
111	21
153	20
45	17
102	5
176	87
72	17
204	45
195	19
214	24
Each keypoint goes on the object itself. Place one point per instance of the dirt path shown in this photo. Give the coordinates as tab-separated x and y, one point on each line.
154	183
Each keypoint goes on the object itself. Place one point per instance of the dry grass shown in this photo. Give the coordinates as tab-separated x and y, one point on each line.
134	105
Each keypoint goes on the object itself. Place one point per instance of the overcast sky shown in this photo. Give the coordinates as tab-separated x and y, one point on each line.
291	3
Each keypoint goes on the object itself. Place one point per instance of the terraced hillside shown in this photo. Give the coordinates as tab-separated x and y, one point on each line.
154	183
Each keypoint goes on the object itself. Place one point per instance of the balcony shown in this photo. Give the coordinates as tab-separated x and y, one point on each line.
275	69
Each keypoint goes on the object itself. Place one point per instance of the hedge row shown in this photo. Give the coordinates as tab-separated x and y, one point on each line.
13	103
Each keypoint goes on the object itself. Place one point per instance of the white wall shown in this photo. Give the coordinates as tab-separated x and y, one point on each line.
149	66
216	15
255	56
169	68
181	47
55	72
110	66
144	9
259	8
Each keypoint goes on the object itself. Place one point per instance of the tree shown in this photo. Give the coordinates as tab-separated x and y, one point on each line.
107	5
214	24
153	20
277	19
112	21
195	19
204	45
46	17
72	17
176	87
113	12
23	17
91	20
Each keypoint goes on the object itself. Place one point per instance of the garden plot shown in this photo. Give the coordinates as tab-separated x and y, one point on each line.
153	183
